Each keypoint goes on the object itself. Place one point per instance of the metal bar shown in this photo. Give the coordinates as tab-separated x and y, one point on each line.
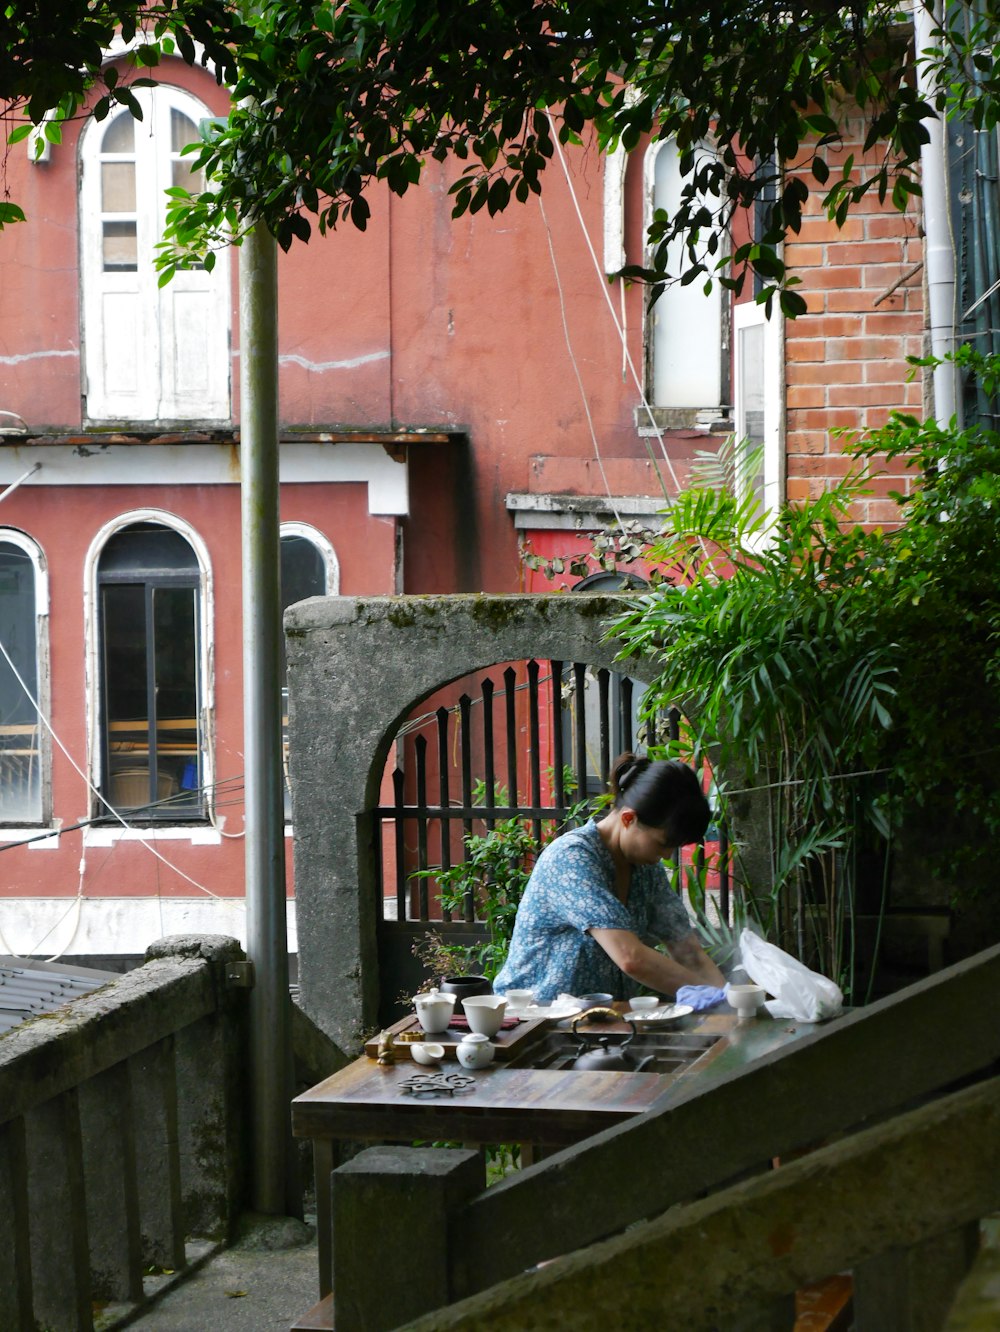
267	937
723	871
580	727
466	812
399	843
510	700
465	721
490	797
378	849
555	695
674	723
152	789
625	713
420	753
603	681
442	715
534	757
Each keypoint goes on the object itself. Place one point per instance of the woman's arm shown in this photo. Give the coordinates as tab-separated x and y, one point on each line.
688	963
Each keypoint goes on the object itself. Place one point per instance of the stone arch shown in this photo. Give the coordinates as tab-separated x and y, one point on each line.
356	668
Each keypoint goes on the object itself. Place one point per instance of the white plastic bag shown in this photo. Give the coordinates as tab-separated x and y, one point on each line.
800	994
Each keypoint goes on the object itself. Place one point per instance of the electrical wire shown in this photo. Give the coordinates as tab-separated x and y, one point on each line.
636	378
576	369
158	855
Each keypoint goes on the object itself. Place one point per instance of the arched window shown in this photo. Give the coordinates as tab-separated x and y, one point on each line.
151	353
151	653
686	337
23	681
309	568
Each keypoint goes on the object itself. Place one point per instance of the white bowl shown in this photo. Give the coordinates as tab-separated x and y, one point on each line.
644	1003
427	1052
485	1012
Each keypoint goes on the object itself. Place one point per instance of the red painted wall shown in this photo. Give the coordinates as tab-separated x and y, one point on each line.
498	326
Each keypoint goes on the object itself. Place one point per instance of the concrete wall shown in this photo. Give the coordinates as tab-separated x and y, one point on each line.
357	666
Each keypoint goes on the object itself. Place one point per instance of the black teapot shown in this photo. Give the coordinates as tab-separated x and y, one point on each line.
463	987
596	1053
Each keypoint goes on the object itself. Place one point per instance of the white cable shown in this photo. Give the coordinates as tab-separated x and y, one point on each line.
604	287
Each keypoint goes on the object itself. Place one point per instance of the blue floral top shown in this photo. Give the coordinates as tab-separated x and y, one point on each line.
571	891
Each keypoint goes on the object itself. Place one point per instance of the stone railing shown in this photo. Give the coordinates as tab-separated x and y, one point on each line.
886	1124
122	1154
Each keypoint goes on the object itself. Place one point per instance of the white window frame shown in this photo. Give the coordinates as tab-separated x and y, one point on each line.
13	536
195	298
672	403
749	315
206	672
325	548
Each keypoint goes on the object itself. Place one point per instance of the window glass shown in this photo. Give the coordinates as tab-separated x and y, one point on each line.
182	132
119	137
20	766
750	402
685	323
151	655
303	574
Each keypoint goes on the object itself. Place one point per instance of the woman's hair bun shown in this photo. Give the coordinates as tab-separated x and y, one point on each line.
625	770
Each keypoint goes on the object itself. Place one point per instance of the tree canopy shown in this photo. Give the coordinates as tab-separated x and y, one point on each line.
331	96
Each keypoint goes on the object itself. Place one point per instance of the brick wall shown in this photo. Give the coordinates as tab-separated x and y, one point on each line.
846	357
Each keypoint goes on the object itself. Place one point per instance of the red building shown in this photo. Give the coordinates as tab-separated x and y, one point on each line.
446	388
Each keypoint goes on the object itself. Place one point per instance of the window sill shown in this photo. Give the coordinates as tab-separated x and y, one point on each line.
711	420
200	835
38	838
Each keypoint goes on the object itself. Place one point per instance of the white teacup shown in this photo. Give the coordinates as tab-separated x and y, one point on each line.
520	998
485	1012
434	1010
644	1003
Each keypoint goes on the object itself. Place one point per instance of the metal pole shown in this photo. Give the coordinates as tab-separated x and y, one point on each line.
267	942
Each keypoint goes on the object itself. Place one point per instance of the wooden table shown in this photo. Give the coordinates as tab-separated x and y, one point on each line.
540	1108
543	1109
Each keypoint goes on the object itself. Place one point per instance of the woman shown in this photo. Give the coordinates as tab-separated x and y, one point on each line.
599	894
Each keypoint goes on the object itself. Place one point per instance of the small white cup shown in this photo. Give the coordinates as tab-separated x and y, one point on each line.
520	998
644	1003
427	1052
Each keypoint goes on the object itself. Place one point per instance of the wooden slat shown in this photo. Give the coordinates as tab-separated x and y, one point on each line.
701	1265
832	1078
317	1319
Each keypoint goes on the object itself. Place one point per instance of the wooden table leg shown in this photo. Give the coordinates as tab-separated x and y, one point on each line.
325	1158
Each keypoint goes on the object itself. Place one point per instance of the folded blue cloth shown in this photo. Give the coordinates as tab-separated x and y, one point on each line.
700	997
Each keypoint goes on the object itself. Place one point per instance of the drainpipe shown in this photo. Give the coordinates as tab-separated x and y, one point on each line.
267	940
939	250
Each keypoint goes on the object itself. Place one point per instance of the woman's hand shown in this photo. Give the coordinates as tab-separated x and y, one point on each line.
688	963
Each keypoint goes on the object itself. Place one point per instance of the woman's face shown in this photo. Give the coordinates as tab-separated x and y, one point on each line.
640	844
